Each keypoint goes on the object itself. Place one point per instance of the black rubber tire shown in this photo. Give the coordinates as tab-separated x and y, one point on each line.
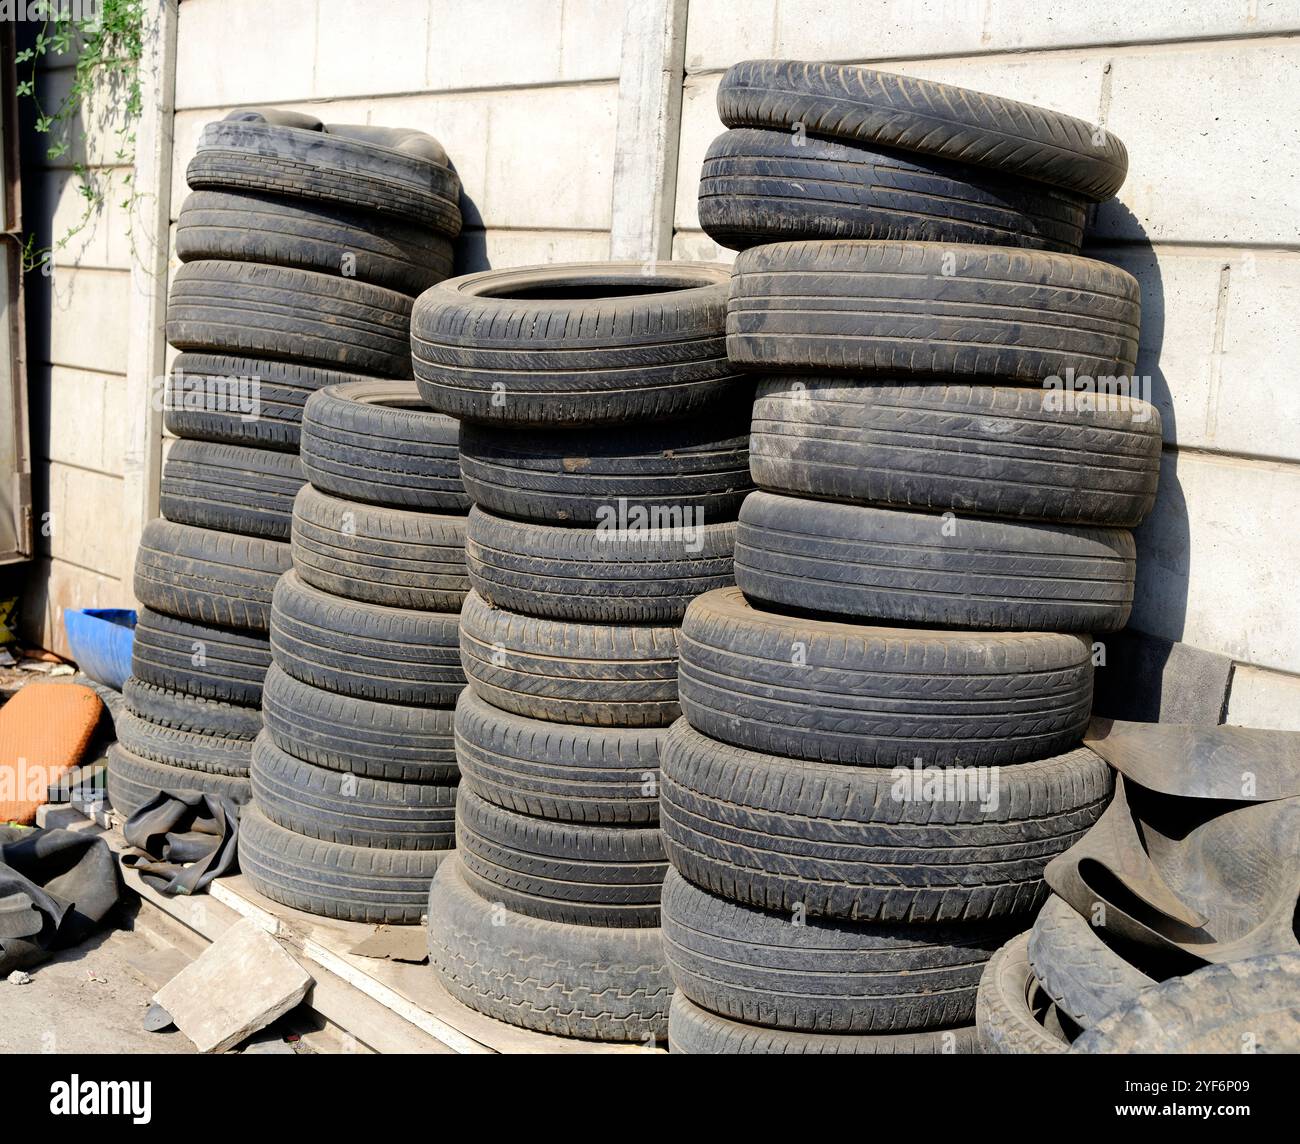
333	880
391	171
560	871
350	809
593	982
242	226
693	1030
190	750
1078	970
777	833
917	115
558	771
892	566
367	651
214	663
597	575
992	451
960	312
279	312
388	741
231	488
377	442
599	675
168	707
572	476
876	696
762	186
1010	1005
576	344
265	409
389	556
133	781
785	971
209	577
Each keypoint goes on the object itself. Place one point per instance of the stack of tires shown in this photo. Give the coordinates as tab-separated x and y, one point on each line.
354	775
604	443
302	246
880	745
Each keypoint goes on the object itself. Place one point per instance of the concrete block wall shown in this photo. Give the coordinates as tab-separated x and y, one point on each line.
1206	95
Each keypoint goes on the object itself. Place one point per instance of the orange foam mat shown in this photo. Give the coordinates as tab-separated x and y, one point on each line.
44	732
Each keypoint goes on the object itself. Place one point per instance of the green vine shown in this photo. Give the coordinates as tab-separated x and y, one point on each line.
111	37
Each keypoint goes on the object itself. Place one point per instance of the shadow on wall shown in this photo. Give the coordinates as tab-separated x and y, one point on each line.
471	246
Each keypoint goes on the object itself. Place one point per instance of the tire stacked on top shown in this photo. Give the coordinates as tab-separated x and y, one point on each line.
302	246
881	729
354	776
605	446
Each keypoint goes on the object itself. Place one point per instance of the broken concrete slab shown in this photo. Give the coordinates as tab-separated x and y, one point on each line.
396	943
238	985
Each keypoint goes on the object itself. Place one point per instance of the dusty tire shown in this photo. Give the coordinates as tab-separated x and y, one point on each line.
280	231
243	401
189	750
595	575
992	451
209	577
592	982
389	741
1077	969
892	566
391	171
168	707
377	442
231	488
599	675
215	663
917	115
781	834
963	312
349	809
574	476
576	344
389	556
559	871
876	696
351	883
275	311
558	771
366	651
1010	1004
693	1030
133	781
762	186
816	976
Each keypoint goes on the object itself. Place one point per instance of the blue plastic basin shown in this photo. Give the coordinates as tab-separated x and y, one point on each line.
100	640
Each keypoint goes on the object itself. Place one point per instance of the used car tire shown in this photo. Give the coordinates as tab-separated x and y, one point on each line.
781	834
190	750
761	186
222	664
133	781
618	575
982	450
893	566
909	114
575	476
332	879
1010	1006
247	309
601	675
965	312
576	344
169	707
594	982
210	577
394	742
231	488
878	696
367	651
556	770
377	442
390	556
